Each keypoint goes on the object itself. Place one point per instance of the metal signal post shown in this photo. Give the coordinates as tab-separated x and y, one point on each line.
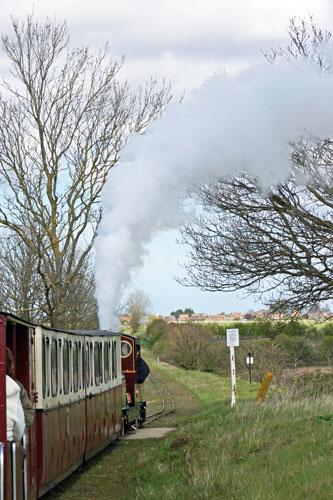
249	362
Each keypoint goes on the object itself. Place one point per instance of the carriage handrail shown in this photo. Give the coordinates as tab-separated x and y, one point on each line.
13	450
24	451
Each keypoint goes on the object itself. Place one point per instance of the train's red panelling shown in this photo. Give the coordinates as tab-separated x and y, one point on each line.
62	436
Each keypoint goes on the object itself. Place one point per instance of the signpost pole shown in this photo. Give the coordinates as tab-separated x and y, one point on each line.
232	342
233	376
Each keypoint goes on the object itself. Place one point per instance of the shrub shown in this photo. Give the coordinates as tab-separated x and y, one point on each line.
188	346
298	350
327	329
267	357
312	384
155	330
327	348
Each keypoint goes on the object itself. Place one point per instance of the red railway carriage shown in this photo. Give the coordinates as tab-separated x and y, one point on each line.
75	382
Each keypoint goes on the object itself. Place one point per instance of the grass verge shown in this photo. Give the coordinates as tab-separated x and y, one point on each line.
276	450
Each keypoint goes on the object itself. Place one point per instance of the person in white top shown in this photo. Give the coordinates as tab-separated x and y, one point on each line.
15	414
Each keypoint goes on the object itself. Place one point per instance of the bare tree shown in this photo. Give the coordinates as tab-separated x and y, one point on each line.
276	245
64	118
192	347
306	42
21	290
137	307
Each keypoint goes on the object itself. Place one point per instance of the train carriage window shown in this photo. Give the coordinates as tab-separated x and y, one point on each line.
70	365
91	364
110	360
101	361
75	367
65	361
87	366
106	362
54	368
114	376
43	367
45	363
59	366
97	362
80	366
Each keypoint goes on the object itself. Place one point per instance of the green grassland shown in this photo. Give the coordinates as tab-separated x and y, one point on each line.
279	449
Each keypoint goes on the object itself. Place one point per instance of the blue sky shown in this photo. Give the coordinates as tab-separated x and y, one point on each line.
186	41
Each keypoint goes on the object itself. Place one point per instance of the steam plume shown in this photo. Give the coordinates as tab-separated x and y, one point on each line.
242	123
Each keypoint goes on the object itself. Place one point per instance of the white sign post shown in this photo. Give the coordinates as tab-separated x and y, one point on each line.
232	342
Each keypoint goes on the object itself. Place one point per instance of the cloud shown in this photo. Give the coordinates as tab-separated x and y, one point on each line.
223	32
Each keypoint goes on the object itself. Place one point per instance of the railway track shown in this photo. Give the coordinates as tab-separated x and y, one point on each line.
166	400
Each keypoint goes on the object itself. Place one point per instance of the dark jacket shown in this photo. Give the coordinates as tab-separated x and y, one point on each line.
142	370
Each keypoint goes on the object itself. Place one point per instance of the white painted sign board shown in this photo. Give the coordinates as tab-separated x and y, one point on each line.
232	337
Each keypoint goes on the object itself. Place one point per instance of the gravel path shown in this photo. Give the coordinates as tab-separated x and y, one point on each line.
152	432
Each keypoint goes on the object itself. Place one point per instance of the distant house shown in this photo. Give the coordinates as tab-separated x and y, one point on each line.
199	317
276	316
216	318
261	314
234	316
184	317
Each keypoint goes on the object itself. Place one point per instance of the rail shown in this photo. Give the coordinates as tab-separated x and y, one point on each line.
161	389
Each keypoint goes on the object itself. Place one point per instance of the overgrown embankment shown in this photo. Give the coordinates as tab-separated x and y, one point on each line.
281	449
275	346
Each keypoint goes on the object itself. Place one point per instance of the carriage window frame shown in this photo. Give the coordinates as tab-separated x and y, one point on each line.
91	353
54	367
97	363
66	380
60	365
101	362
75	353
114	359
70	366
43	367
46	366
111	360
87	365
80	365
106	362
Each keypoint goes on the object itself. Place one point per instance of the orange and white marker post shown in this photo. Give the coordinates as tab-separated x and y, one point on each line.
232	342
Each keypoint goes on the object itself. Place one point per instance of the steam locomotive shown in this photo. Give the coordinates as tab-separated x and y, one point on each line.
84	390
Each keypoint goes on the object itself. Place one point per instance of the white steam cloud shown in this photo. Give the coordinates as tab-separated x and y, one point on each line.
242	123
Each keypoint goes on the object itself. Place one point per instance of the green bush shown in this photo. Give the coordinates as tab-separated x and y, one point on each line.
297	349
262	328
327	329
155	330
313	384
